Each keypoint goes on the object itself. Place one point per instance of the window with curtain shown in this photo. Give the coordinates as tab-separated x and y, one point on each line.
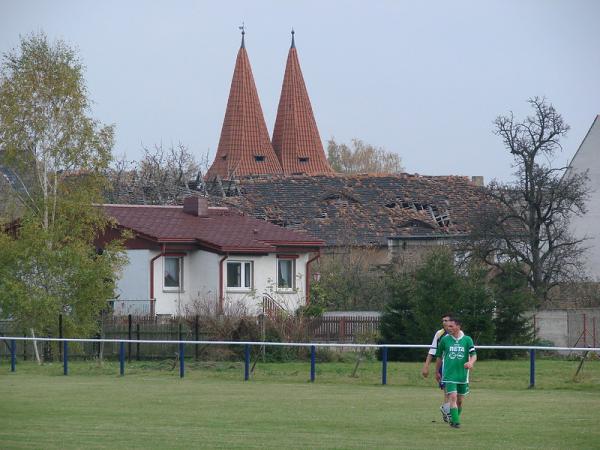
173	272
286	273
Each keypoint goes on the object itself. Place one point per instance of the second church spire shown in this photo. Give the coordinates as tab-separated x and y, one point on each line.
296	139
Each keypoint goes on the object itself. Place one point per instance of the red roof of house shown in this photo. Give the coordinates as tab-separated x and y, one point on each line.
221	230
244	147
296	139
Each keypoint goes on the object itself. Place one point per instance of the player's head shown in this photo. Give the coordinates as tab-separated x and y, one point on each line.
446	319
454	322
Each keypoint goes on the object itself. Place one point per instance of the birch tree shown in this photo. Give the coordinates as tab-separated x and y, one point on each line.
46	133
57	155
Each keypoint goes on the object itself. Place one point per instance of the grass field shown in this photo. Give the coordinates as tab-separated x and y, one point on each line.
151	407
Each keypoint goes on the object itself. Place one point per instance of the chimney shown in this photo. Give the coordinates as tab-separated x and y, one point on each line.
477	180
196	206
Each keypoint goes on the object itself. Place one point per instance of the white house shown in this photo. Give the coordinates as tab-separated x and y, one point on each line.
587	159
184	256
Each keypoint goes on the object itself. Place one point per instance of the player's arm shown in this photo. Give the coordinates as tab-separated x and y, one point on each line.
430	355
438	365
425	369
472	357
471	362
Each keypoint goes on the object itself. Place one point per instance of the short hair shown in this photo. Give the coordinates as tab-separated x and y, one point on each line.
449	314
456	320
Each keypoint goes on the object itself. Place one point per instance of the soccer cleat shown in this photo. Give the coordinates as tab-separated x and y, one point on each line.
445	415
455	425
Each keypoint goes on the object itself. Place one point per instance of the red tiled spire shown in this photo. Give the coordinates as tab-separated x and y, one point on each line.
244	147
296	138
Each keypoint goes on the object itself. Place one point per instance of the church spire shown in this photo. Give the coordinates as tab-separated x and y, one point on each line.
296	139
244	146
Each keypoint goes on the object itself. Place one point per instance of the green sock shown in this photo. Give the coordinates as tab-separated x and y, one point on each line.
454	415
459	411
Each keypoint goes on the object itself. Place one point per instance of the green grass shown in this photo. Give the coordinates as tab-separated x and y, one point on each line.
151	407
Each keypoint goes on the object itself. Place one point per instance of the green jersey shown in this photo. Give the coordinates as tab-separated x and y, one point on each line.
455	352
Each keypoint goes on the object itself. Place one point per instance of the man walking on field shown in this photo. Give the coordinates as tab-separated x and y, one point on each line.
457	352
439	334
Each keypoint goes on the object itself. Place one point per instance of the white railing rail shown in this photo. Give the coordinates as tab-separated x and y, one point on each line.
296	344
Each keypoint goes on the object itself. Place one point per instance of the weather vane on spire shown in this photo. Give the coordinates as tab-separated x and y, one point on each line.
243	28
293	43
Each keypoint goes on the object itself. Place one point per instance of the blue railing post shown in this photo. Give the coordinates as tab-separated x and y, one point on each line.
531	368
384	355
13	355
121	358
247	363
181	361
65	357
312	363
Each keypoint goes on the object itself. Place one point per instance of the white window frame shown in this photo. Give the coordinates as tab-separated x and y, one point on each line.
178	288
292	261
245	263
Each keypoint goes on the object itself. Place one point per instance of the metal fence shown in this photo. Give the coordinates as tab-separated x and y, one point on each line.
339	329
11	342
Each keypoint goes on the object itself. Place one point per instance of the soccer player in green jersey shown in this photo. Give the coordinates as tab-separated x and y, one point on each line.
457	353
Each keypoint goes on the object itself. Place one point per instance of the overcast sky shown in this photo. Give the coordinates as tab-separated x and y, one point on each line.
424	79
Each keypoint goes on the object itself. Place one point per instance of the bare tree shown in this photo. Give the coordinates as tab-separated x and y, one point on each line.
362	158
527	220
161	177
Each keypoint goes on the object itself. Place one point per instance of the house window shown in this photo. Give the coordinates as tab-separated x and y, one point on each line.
286	273
259	158
303	159
173	273
239	275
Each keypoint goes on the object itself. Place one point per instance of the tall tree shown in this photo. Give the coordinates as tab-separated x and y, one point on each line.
527	220
45	131
362	158
57	154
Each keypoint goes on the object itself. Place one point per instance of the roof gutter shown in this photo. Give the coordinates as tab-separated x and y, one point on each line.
221	287
428	237
308	263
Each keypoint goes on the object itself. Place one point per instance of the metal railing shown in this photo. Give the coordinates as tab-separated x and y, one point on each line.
271	307
247	344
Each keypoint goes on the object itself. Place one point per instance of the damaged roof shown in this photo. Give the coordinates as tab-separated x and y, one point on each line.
361	209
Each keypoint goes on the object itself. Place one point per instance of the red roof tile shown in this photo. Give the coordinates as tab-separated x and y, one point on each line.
244	147
222	230
296	139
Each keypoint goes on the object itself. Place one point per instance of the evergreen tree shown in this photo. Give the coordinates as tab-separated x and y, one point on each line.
476	307
513	301
417	303
397	324
438	290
